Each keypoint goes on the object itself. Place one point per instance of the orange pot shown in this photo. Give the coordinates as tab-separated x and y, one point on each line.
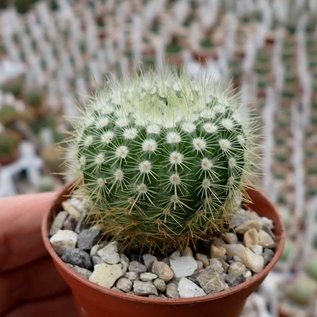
8	159
95	301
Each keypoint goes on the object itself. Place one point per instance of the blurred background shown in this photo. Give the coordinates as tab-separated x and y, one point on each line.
54	53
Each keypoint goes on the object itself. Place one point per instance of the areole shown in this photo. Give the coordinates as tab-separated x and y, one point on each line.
94	301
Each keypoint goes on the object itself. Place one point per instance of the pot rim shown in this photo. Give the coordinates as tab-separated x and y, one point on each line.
162	301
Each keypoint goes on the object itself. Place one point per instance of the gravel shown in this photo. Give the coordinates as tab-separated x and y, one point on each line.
233	257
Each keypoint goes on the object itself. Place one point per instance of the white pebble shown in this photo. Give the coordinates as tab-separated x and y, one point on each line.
64	239
187	288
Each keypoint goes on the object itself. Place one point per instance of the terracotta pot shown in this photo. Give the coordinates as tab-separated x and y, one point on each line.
95	301
8	159
175	59
282	314
203	56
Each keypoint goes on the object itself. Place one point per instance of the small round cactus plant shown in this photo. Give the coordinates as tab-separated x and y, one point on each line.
9	141
162	159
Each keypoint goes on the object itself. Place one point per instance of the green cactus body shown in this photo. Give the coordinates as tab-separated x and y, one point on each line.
162	159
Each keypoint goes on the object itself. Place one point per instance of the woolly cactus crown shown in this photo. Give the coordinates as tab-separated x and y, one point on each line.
162	159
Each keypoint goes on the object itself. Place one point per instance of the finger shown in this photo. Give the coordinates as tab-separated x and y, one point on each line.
36	280
20	228
61	306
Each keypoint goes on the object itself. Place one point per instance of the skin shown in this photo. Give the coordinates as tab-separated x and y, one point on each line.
29	283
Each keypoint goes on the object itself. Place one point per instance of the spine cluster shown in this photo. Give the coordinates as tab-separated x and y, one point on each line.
162	159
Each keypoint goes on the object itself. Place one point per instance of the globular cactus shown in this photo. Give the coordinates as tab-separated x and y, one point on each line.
162	159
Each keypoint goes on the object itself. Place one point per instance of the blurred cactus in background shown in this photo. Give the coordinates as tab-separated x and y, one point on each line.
9	141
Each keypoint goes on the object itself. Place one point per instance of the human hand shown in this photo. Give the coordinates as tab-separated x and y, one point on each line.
29	283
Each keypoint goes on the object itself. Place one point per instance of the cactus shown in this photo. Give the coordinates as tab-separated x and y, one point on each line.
302	290
34	99
9	115
14	87
311	267
162	158
9	141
